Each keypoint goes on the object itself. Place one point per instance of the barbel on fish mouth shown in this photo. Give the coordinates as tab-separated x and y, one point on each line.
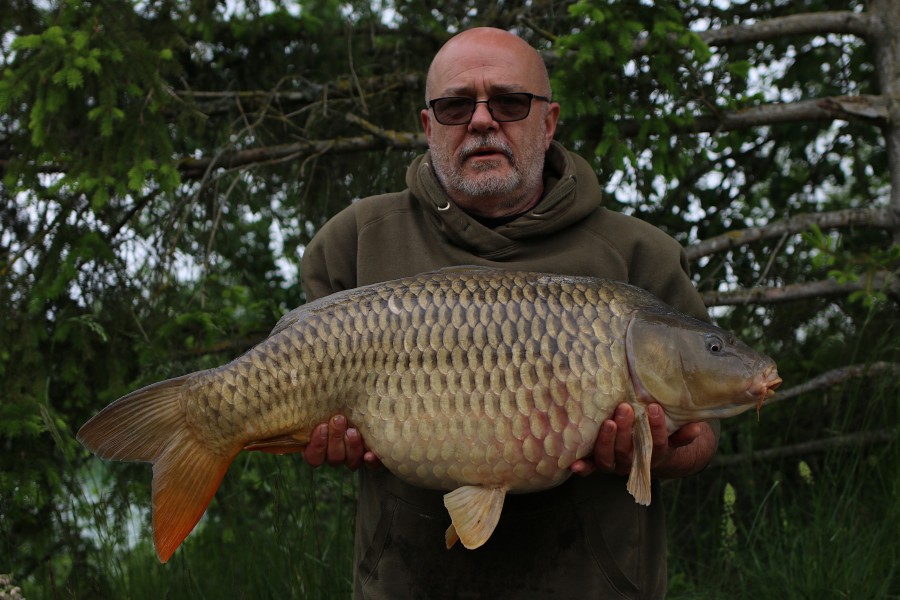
476	381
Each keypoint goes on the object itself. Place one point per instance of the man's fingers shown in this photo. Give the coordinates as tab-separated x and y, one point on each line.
354	449
604	449
658	431
686	435
337	452
336	443
624	418
314	453
371	461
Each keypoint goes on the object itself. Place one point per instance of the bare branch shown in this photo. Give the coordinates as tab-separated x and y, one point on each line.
818	23
303	92
850	440
836	377
883	281
864	107
883	218
862	25
192	168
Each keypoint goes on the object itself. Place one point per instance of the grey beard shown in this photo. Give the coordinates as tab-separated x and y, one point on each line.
488	185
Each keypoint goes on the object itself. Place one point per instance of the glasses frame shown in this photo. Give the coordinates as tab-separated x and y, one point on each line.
531	97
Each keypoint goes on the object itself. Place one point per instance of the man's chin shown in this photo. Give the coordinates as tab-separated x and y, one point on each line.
494	168
489	186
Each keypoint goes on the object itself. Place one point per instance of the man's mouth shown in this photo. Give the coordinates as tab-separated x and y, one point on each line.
485	154
485	149
492	153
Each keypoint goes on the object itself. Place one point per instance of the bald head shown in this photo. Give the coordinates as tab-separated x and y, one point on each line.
474	50
490	165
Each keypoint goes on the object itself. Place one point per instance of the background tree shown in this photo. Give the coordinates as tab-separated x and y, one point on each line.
164	163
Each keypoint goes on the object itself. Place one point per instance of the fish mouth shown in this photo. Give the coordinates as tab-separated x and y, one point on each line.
764	386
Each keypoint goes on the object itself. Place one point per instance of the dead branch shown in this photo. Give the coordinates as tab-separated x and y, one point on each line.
303	92
883	281
883	218
848	441
817	23
863	107
862	25
836	377
192	168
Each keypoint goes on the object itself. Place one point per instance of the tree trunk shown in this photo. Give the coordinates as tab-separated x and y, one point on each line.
885	42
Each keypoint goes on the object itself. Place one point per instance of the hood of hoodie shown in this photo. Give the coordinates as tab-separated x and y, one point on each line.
571	193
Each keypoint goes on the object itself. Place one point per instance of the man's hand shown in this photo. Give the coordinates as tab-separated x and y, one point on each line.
337	444
685	452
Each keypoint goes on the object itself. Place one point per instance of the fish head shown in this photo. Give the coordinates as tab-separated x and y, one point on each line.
695	370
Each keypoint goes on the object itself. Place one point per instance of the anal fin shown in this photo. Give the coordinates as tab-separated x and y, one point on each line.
474	512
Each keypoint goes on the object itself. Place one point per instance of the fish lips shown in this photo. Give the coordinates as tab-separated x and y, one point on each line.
764	385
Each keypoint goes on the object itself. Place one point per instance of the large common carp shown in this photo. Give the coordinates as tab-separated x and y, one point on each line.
475	381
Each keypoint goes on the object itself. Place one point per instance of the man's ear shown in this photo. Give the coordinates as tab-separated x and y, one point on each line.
551	119
426	124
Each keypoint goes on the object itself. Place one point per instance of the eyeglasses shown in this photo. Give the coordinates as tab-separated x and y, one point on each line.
504	108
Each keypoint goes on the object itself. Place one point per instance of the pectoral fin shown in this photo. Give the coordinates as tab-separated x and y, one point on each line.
474	512
639	479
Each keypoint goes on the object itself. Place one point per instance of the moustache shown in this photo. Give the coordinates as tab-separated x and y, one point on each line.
479	144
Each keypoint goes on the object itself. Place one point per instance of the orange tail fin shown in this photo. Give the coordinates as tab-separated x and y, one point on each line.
149	425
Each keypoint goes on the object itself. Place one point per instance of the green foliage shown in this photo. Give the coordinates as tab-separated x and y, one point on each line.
93	77
648	88
849	265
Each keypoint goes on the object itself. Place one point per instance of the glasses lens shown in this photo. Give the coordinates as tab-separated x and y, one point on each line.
458	110
453	111
510	107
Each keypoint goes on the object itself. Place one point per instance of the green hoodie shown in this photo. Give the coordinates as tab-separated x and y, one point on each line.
585	538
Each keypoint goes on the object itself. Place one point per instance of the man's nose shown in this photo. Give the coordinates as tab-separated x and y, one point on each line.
482	119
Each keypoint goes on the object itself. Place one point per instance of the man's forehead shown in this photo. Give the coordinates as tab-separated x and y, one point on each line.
471	85
476	68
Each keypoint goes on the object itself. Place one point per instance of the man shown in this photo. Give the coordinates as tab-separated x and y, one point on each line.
495	190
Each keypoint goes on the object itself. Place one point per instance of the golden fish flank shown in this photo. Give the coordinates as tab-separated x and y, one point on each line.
475	381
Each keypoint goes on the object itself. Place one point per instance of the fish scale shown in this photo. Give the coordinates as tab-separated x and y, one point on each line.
476	381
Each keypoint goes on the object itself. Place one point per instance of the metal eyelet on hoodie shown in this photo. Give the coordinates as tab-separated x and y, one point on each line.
444	207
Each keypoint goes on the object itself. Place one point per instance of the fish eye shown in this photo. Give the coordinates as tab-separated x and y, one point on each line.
715	344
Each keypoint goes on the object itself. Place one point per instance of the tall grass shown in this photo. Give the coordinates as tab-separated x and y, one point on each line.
818	526
276	529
